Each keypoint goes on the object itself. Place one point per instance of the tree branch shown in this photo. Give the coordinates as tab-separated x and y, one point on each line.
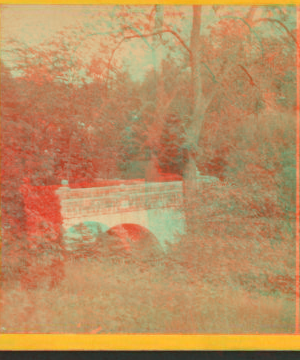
170	31
145	35
277	22
247	73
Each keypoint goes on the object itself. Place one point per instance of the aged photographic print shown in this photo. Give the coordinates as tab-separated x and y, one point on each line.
148	169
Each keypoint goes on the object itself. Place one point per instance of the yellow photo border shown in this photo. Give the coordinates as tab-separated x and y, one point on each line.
149	341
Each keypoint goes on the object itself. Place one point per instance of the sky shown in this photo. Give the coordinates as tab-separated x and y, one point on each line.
33	23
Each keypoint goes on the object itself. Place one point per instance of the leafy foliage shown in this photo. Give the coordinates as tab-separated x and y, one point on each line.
69	116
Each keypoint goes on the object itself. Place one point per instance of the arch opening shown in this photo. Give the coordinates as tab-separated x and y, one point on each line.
137	240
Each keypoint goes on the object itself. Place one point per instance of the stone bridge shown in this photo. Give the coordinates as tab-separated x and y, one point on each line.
153	207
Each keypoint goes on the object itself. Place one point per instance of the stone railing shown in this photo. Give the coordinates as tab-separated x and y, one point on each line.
121	198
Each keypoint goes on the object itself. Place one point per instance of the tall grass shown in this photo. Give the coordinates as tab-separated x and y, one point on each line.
106	297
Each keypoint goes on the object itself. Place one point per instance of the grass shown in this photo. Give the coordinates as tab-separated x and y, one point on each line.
234	274
102	297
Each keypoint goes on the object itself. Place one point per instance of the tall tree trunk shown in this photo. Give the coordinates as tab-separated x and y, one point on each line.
197	117
152	171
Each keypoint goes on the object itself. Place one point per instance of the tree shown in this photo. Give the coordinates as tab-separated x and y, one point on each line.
14	134
170	154
242	45
213	78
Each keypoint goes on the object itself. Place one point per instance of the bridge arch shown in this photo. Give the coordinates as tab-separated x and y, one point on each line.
137	240
163	223
134	238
